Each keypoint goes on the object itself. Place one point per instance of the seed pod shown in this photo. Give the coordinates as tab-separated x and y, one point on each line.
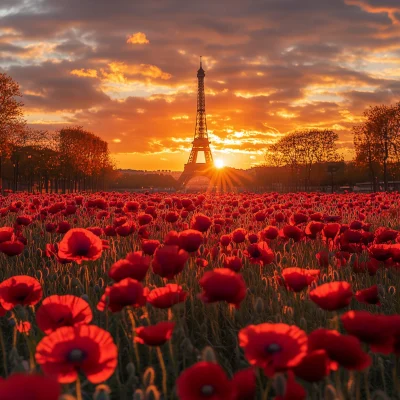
208	354
102	393
138	395
279	384
259	305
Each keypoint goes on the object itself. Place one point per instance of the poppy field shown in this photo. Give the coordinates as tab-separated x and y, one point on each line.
150	296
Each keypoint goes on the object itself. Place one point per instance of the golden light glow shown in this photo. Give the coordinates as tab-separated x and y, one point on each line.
138	38
219	163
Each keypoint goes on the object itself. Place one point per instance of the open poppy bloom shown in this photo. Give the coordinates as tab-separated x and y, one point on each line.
375	329
20	289
12	247
169	261
368	296
155	335
244	382
260	253
79	245
342	350
204	380
314	367
29	387
135	265
58	311
200	222
6	233
239	235
297	279
332	296
70	350
273	347
167	296
190	240
128	292
222	284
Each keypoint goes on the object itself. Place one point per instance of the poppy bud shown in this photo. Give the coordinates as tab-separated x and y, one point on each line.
85	297
380	395
138	395
148	377
131	369
102	393
259	305
208	354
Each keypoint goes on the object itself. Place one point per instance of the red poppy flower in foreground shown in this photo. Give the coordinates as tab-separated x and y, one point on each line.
204	380
167	296
128	292
368	296
58	311
20	289
169	261
29	387
332	296
80	244
85	348
135	265
155	335
314	366
342	350
6	233
244	383
12	247
273	347
222	284
298	278
374	329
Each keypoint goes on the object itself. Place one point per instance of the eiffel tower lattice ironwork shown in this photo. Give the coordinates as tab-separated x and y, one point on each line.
200	142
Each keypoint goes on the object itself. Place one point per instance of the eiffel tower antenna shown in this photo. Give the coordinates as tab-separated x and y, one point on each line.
200	142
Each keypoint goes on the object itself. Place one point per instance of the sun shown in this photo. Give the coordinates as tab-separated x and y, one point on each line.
219	163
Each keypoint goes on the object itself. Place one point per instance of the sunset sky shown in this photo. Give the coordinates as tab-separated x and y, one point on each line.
126	70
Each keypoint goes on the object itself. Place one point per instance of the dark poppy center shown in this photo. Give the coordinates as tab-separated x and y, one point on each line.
207	390
273	348
82	250
76	356
256	253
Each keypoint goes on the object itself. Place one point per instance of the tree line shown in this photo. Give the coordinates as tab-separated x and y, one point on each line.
70	159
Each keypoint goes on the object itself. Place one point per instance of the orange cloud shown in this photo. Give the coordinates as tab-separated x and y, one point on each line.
137	38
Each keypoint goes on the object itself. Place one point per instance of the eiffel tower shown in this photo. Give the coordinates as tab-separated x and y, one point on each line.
200	142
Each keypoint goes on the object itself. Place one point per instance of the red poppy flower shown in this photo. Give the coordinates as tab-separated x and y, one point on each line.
80	244
239	235
57	311
293	390
125	230
172	217
134	266
200	222
270	232
222	284
234	263
260	253
12	247
166	297
298	278
225	240
169	261
244	383
155	335
342	350
313	228
6	234
128	292
20	289
323	258
29	387
313	367
190	240
150	246
292	232
63	227
331	230
380	252
172	238
384	235
85	348
368	296
204	380
273	347
374	329
332	296
144	219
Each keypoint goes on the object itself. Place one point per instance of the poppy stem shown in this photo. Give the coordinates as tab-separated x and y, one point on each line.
164	371
78	389
3	350
267	389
